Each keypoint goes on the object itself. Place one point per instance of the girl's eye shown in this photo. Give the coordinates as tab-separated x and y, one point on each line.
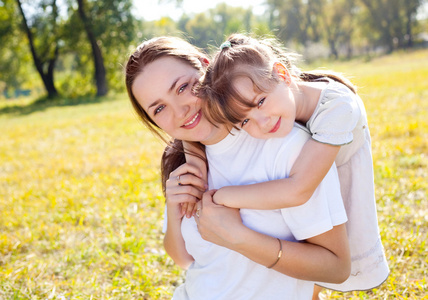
260	103
159	109
182	88
244	122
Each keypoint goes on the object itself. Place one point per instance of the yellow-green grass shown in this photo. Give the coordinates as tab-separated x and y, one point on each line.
81	209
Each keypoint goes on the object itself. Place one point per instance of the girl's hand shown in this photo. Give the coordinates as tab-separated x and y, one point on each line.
183	189
216	223
220	196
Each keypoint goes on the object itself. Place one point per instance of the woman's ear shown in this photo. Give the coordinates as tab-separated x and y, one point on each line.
204	61
282	72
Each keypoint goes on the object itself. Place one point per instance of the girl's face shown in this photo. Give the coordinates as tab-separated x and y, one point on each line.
275	111
164	90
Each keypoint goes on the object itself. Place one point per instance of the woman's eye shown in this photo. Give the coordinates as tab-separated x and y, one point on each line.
182	88
244	122
260	103
159	109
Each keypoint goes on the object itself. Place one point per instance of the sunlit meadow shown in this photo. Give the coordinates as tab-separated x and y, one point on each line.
81	206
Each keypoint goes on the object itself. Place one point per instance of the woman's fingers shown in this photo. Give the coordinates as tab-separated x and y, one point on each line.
191	209
190	179
184	169
185	187
187	179
181	198
184	207
188	209
183	190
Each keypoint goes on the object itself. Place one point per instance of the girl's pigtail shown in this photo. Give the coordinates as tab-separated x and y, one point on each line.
316	75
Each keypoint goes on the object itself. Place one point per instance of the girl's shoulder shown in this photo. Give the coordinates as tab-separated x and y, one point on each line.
335	116
335	91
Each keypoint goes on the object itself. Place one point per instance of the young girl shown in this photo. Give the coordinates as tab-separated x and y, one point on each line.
254	85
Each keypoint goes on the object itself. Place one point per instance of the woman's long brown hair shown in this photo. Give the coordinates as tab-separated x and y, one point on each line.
147	52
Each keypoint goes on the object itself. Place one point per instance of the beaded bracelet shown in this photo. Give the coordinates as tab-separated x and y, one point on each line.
279	254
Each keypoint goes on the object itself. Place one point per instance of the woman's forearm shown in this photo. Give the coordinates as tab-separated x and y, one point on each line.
324	257
306	261
174	244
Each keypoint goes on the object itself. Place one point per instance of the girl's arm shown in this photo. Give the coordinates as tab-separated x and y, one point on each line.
323	258
311	166
190	191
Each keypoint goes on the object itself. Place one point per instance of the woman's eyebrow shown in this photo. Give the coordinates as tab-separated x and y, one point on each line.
174	83
172	87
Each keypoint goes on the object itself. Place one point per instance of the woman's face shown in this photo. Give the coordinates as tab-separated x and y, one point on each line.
164	90
274	113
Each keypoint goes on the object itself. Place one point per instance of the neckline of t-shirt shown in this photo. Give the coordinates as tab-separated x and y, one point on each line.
226	143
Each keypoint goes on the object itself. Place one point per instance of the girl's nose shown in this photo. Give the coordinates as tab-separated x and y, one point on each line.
261	119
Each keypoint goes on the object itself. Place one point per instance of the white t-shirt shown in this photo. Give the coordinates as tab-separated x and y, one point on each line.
219	273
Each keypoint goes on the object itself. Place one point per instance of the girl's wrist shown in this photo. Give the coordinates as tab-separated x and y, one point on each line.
213	197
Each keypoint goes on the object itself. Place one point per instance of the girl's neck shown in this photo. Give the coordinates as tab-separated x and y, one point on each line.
307	97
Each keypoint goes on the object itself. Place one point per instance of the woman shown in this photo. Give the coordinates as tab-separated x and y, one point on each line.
160	78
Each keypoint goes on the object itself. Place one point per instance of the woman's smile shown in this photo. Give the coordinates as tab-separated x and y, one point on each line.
164	90
192	121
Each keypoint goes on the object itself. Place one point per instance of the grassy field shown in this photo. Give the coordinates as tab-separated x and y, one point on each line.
81	206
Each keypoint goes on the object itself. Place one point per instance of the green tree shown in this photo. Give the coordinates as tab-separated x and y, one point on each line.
100	71
337	20
15	61
41	30
104	40
211	27
392	20
296	20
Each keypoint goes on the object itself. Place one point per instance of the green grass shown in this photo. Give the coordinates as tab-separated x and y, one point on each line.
81	207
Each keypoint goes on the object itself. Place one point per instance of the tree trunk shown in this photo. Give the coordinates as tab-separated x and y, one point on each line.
47	78
333	50
100	72
409	28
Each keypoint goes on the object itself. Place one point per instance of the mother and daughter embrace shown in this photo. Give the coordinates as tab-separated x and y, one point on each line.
269	179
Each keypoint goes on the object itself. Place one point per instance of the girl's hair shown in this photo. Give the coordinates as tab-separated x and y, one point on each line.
244	56
148	52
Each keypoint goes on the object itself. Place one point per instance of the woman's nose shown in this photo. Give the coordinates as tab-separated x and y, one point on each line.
183	106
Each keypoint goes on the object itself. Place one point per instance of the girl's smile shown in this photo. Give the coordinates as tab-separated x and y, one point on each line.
276	127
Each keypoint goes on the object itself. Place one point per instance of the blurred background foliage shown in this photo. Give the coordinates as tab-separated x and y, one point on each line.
78	48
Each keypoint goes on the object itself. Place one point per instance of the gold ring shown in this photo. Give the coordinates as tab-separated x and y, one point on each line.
197	212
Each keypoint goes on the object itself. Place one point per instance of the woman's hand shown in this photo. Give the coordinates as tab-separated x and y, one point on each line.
183	189
216	223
